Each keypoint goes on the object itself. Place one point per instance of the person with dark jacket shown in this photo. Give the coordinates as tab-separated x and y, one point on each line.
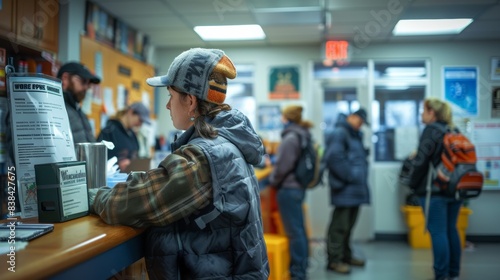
201	205
120	131
346	161
443	211
76	79
290	195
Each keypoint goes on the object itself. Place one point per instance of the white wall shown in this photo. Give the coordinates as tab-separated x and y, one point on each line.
71	25
384	215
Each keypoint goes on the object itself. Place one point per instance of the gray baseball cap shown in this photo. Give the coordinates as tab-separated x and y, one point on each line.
191	72
141	110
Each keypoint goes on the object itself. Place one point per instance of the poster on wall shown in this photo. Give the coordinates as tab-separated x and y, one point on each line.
461	89
270	117
40	131
485	137
284	82
495	68
495	102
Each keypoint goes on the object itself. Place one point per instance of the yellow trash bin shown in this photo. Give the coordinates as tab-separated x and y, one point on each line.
278	254
417	237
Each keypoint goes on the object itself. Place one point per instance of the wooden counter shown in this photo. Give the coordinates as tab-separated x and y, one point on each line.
84	248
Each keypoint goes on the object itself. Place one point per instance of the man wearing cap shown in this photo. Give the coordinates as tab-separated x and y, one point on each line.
120	129
346	160
76	79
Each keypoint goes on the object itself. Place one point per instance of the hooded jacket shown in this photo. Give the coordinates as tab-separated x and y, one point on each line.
126	143
202	205
346	160
288	154
429	151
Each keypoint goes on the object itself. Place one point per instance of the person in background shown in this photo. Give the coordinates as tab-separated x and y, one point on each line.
201	204
75	80
443	211
121	130
290	195
143	133
264	182
346	160
161	143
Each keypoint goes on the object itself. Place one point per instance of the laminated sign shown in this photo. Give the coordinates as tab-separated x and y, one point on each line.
40	131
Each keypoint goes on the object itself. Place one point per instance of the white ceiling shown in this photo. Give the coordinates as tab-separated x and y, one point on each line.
169	23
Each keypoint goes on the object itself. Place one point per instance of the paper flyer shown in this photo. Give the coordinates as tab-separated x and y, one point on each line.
485	137
41	132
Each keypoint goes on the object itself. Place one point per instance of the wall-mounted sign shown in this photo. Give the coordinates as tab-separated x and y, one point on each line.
337	50
461	89
485	137
495	102
124	70
495	68
284	83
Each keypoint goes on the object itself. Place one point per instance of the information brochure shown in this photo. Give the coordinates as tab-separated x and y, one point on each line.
41	131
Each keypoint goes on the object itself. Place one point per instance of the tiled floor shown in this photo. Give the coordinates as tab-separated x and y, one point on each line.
398	261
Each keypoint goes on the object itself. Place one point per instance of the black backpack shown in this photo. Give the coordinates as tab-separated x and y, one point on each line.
308	170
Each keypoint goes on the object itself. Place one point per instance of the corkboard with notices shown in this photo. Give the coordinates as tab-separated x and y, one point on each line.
123	81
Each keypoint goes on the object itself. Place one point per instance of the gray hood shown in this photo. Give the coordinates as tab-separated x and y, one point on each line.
237	129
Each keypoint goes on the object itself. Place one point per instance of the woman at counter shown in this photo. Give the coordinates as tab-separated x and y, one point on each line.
202	203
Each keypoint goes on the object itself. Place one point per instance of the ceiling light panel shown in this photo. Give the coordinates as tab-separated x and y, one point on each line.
430	26
230	32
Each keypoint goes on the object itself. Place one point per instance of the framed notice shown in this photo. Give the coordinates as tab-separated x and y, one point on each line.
284	82
270	117
495	102
41	131
461	89
485	137
495	68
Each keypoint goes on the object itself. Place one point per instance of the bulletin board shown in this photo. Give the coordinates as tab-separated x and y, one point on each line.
118	73
485	137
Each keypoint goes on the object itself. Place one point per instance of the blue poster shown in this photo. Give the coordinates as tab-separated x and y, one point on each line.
461	89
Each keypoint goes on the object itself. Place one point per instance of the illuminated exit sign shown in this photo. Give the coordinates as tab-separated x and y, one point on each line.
337	50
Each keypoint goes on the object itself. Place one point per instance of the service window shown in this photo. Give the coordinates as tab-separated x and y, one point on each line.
399	91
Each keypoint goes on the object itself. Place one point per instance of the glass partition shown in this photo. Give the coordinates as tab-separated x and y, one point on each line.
399	90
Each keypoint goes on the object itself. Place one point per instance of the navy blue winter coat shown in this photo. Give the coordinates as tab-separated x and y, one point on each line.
347	165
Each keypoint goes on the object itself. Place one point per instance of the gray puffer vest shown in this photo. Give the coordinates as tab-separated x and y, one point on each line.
80	126
224	240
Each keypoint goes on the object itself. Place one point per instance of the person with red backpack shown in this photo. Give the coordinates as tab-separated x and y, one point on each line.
443	209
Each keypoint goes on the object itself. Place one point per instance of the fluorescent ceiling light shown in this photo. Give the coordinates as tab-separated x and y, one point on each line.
405	71
430	26
230	32
397	86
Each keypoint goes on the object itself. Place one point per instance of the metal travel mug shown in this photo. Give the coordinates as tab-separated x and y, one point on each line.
96	156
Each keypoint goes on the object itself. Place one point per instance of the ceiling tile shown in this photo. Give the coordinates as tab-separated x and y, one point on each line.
169	23
155	22
289	18
235	18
